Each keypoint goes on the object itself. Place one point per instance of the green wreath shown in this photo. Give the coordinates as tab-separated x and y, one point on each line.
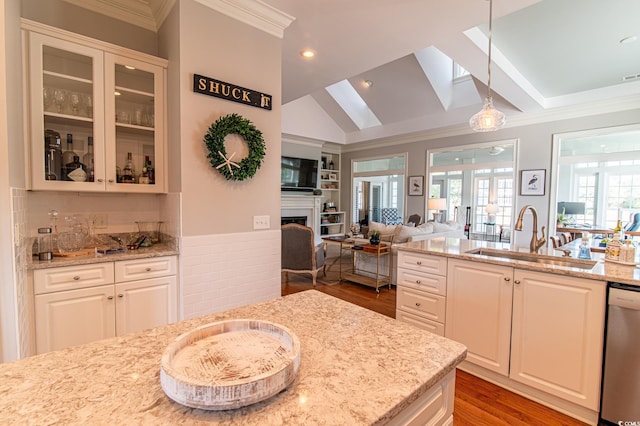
229	124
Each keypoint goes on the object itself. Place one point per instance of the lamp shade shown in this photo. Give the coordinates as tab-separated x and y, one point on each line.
437	204
491	208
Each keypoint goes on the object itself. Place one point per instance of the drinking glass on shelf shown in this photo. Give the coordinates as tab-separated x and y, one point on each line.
88	105
137	116
74	98
47	98
59	98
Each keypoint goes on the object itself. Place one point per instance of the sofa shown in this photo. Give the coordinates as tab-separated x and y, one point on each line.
399	234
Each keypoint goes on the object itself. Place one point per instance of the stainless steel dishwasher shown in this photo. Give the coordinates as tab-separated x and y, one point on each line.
621	373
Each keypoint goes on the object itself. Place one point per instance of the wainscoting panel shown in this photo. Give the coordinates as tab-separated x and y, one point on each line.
224	271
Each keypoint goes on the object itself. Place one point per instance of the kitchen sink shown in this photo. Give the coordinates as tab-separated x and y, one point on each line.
536	258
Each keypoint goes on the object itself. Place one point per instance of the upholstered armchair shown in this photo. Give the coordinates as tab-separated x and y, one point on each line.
390	216
299	254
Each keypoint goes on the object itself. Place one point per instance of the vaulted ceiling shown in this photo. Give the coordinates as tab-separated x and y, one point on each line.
550	57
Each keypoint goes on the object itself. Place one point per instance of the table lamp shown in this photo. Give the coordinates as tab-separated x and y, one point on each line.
491	210
437	204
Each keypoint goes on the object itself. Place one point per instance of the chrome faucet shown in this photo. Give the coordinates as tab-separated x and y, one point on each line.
535	243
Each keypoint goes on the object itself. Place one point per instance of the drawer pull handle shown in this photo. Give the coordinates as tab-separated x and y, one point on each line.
76	278
110	297
418	263
147	269
516	282
121	295
100	180
418	282
111	181
418	304
507	279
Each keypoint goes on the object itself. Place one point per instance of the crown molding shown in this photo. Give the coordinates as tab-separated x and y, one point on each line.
254	13
135	13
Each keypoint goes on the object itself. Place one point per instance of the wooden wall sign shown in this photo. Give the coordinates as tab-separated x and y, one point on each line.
231	92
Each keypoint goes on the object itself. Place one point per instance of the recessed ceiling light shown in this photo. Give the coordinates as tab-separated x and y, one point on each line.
308	53
367	83
629	39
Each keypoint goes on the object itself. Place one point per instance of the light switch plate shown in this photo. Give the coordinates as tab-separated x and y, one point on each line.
261	222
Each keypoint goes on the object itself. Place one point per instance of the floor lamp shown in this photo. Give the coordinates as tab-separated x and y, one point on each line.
437	205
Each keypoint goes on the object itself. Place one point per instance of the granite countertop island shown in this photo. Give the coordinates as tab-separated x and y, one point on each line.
459	248
357	367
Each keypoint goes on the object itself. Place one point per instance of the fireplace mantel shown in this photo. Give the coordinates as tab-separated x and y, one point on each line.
303	205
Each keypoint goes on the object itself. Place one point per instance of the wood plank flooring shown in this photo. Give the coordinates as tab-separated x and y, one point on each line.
477	402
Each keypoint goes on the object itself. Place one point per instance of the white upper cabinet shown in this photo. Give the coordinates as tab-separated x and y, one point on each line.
101	103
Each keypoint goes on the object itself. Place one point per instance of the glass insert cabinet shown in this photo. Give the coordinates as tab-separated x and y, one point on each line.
97	115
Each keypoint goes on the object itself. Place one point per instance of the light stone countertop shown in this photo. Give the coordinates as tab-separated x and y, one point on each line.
457	248
357	367
156	250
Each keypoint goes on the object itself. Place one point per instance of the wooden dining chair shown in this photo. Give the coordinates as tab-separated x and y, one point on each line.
555	241
566	237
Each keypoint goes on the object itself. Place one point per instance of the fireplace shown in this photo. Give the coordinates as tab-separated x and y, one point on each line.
300	220
302	206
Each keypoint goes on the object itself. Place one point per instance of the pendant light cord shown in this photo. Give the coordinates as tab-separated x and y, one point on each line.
490	36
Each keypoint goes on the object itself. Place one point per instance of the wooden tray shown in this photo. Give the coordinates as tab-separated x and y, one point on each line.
230	364
370	248
83	252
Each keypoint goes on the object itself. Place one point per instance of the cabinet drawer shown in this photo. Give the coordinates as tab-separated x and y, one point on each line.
72	277
421	262
422	281
139	269
426	305
425	324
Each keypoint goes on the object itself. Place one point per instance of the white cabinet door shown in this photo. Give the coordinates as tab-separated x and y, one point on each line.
557	335
73	317
135	98
478	312
145	304
66	98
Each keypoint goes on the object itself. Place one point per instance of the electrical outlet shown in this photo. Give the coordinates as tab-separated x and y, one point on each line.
99	220
261	222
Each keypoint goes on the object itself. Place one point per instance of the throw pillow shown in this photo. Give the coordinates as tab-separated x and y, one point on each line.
385	230
428	227
407	232
442	227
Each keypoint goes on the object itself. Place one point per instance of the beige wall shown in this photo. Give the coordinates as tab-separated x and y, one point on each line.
223	48
534	152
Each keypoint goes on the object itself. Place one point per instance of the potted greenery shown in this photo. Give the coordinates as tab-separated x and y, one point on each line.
374	237
561	219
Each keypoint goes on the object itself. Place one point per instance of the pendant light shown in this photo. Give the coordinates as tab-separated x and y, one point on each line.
488	119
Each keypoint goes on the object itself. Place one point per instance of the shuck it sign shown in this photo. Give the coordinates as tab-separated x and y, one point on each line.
231	92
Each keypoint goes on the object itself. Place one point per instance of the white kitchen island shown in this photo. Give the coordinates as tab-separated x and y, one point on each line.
357	367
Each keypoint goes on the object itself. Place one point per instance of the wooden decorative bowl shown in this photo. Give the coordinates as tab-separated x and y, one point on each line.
230	364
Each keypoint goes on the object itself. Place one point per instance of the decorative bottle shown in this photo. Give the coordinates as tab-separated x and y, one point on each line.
76	171
129	171
144	175
585	250
151	171
87	159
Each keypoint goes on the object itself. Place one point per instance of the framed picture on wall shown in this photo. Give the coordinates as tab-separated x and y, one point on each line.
416	184
532	182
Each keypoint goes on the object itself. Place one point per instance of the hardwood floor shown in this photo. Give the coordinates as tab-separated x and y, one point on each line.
477	402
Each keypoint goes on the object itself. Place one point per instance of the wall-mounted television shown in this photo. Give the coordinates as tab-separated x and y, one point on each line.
298	174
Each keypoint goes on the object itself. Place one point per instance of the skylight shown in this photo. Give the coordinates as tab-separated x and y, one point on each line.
353	105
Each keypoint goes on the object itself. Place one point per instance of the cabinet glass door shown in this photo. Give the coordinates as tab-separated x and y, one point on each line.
133	99
66	108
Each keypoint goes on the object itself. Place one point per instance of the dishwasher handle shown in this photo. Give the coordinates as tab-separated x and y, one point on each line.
629	299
